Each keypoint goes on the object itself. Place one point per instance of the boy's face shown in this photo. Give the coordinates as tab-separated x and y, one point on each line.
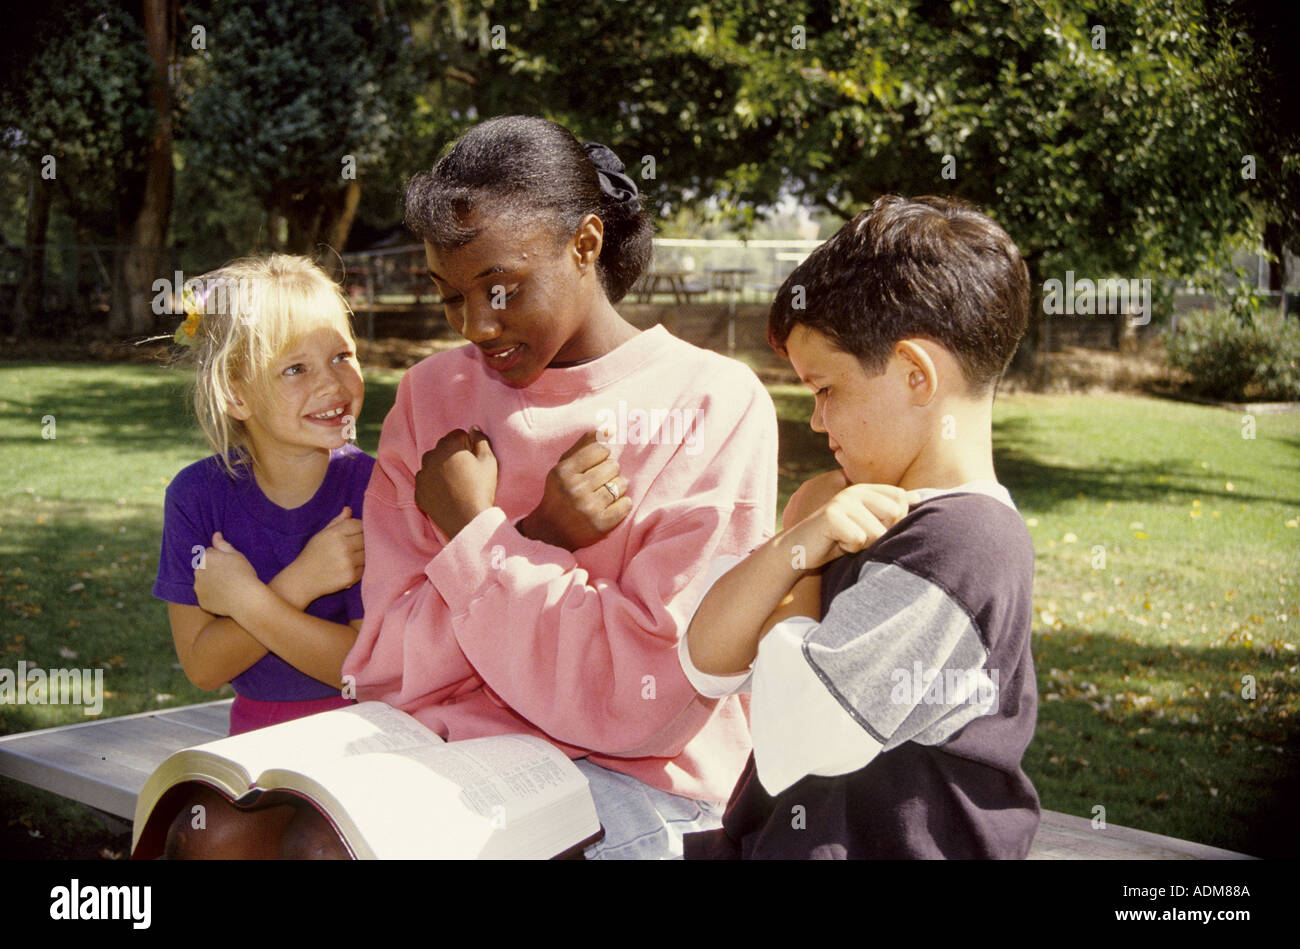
867	419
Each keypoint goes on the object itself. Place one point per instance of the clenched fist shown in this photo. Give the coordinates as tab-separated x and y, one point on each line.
457	480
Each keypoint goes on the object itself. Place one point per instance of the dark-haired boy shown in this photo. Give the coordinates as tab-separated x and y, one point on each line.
885	632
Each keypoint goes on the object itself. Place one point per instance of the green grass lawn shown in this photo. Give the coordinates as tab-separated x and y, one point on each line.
1166	622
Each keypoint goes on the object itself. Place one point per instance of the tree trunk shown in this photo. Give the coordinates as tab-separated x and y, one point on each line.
146	260
303	216
1277	263
344	210
1275	244
338	222
32	284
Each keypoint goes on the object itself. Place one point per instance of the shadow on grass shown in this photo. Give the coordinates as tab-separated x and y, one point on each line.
1039	485
76	593
1164	740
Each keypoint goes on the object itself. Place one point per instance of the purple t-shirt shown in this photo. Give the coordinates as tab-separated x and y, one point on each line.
203	499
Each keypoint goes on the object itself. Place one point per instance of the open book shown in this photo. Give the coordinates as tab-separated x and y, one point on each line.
391	787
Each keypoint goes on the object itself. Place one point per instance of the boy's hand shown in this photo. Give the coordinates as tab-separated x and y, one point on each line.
852	520
333	558
225	580
577	509
811	495
457	480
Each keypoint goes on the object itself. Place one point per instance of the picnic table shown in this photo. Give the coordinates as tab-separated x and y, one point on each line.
731	279
105	763
667	281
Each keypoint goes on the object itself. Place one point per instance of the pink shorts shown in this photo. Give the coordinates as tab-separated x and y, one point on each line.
248	714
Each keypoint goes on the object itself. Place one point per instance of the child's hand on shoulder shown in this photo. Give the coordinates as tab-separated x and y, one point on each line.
225	579
811	495
332	560
852	520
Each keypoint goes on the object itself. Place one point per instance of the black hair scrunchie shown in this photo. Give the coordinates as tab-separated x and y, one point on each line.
609	170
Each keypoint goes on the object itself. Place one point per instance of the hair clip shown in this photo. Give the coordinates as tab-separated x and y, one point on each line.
610	172
186	333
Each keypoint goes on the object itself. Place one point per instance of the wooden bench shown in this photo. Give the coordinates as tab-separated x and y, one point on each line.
103	764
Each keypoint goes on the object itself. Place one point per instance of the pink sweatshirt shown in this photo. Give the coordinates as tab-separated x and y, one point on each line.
495	633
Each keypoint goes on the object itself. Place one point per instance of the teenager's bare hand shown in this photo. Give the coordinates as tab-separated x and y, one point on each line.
584	498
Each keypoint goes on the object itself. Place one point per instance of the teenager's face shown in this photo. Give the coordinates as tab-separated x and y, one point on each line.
520	295
865	418
315	397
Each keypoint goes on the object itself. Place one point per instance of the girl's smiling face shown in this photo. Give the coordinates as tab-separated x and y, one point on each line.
524	298
314	397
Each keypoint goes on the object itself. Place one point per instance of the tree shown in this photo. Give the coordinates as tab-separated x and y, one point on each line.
294	102
1105	136
148	213
73	108
1271	162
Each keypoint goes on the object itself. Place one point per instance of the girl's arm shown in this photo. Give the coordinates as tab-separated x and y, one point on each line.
227	586
313	646
212	649
592	661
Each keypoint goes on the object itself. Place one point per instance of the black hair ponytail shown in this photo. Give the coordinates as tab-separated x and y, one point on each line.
532	167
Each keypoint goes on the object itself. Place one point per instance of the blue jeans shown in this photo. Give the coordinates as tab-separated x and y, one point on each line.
641	822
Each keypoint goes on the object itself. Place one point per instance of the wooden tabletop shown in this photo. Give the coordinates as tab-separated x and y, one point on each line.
104	763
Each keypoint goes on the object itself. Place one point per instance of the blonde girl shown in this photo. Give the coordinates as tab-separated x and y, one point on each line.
262	545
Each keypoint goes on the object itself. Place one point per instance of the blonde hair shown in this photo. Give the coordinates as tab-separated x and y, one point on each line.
253	310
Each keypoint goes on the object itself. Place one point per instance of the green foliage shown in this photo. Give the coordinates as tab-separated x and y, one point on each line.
1105	153
1239	356
284	93
82	99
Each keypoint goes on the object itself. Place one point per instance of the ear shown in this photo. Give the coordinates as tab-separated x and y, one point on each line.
587	241
239	406
918	369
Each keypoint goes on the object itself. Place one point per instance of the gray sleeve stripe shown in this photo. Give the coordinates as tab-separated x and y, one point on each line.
881	646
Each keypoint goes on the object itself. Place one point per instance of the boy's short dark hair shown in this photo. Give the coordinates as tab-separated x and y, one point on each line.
928	267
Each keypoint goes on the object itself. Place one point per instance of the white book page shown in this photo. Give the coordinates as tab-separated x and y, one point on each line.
502	772
340	733
448	801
